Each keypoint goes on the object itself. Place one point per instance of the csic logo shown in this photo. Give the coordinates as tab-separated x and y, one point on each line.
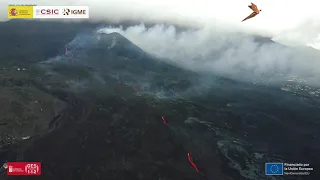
13	12
47	11
68	11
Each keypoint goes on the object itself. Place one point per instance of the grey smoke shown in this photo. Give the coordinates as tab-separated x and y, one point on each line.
221	44
230	54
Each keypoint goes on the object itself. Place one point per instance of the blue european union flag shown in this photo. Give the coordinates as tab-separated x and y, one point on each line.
274	168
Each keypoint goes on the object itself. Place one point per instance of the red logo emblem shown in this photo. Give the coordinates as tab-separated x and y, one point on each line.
13	12
24	169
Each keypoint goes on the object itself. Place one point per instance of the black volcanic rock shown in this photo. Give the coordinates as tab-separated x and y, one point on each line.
107	131
111	50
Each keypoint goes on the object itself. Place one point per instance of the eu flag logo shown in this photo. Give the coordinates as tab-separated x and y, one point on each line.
274	168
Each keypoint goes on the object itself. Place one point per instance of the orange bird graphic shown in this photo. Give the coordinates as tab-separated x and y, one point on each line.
255	12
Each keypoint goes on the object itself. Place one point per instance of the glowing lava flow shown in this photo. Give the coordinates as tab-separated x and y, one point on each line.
192	163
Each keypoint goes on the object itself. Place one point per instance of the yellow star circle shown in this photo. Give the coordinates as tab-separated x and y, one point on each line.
274	168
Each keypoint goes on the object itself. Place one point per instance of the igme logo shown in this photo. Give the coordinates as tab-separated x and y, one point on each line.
68	11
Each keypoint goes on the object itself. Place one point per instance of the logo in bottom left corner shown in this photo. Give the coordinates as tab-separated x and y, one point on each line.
23	168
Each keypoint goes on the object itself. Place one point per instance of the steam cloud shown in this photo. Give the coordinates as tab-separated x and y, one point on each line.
221	44
229	54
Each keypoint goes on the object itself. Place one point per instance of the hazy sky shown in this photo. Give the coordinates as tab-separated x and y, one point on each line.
216	46
290	19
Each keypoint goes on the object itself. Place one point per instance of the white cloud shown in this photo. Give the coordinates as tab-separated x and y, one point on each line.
226	53
216	43
278	17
